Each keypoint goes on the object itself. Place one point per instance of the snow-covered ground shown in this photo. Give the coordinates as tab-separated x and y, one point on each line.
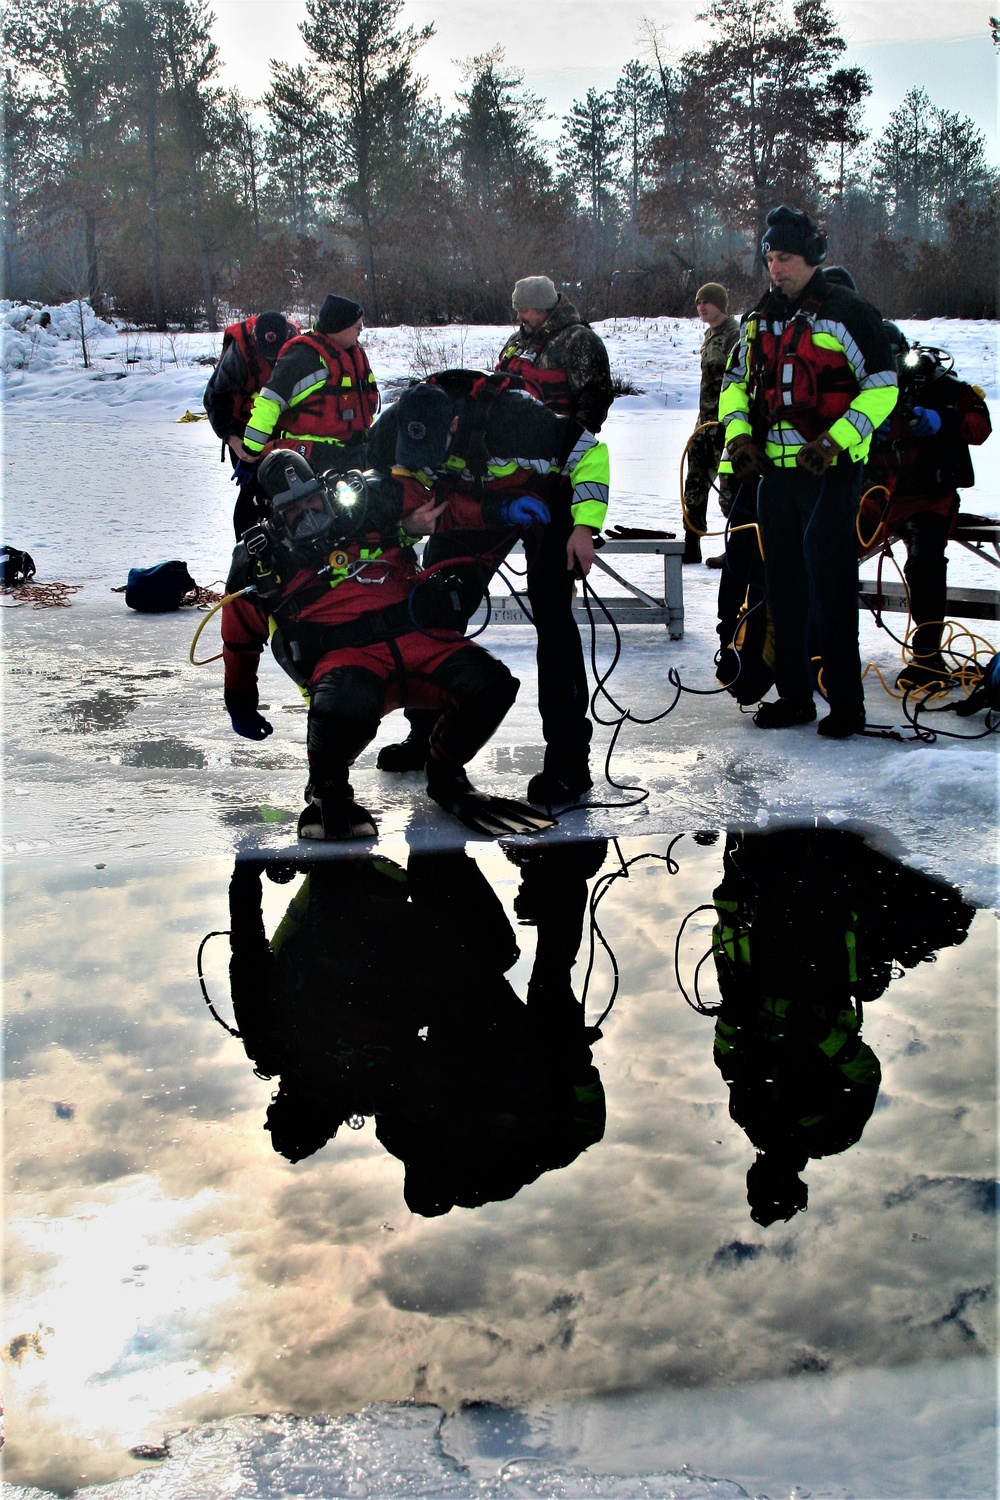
120	753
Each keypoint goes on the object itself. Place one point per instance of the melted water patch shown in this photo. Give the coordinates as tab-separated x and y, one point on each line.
501	1126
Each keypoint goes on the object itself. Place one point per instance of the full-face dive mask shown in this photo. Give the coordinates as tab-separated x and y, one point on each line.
310	515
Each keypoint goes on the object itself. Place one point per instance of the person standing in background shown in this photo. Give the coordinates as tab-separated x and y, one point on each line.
721	333
250	349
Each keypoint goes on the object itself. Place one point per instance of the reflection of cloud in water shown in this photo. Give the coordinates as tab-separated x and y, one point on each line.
127	1298
312	1288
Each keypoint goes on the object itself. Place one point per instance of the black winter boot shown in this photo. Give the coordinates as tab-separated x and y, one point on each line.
783	713
333	816
410	754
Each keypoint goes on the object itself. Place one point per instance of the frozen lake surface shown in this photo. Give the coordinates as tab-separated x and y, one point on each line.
619	1326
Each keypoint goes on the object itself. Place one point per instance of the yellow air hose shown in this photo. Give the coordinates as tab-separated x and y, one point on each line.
226	599
726	530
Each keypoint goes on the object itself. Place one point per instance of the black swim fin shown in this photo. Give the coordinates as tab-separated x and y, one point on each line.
337	821
497	817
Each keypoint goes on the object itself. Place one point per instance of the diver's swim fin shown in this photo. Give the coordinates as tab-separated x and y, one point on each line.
497	817
336	821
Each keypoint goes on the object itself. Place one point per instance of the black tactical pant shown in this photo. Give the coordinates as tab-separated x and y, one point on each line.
743	618
808	529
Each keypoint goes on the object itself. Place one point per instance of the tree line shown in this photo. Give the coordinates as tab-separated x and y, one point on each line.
133	177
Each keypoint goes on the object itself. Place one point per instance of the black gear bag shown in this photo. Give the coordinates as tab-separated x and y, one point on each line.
15	567
157	590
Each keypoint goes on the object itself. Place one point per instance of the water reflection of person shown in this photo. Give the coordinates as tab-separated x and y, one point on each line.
383	993
811	925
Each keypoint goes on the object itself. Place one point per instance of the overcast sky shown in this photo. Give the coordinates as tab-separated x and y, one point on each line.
568	46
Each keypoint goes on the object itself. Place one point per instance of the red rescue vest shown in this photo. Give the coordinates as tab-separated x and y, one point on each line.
797	380
551	387
258	369
346	404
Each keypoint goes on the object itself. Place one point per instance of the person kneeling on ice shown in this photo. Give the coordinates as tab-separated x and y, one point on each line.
331	577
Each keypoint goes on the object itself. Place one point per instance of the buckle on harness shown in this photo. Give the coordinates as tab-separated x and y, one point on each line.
256	540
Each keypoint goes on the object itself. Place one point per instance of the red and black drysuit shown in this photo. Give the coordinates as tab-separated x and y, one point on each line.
508	444
923	476
241	372
349	639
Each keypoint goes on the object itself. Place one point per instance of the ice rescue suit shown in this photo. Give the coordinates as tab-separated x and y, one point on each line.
820	364
508	444
349	639
229	396
320	401
923	476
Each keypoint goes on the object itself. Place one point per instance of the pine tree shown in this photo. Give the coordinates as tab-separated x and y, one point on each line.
496	144
590	151
67	43
372	94
241	163
24	161
506	218
843	96
635	108
139	69
191	61
297	145
763	80
926	160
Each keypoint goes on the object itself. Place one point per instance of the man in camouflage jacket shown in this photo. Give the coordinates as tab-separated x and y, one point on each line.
721	333
560	358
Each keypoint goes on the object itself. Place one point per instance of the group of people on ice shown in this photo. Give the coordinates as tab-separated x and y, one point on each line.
333	495
331	503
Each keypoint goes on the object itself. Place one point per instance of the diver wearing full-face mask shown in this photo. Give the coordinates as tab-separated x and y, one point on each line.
331	579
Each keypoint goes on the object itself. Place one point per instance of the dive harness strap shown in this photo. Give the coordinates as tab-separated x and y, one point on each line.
315	640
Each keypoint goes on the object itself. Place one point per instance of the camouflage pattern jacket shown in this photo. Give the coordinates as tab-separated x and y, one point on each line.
567	344
714	358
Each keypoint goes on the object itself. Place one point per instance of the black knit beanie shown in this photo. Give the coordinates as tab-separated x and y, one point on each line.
794	232
338	313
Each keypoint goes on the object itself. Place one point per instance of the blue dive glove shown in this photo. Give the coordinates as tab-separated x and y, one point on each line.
524	510
926	422
244	473
251	725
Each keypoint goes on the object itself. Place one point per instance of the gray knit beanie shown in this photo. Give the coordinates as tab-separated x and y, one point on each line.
534	291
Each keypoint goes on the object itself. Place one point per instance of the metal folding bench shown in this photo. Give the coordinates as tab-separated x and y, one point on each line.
641	608
977	534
